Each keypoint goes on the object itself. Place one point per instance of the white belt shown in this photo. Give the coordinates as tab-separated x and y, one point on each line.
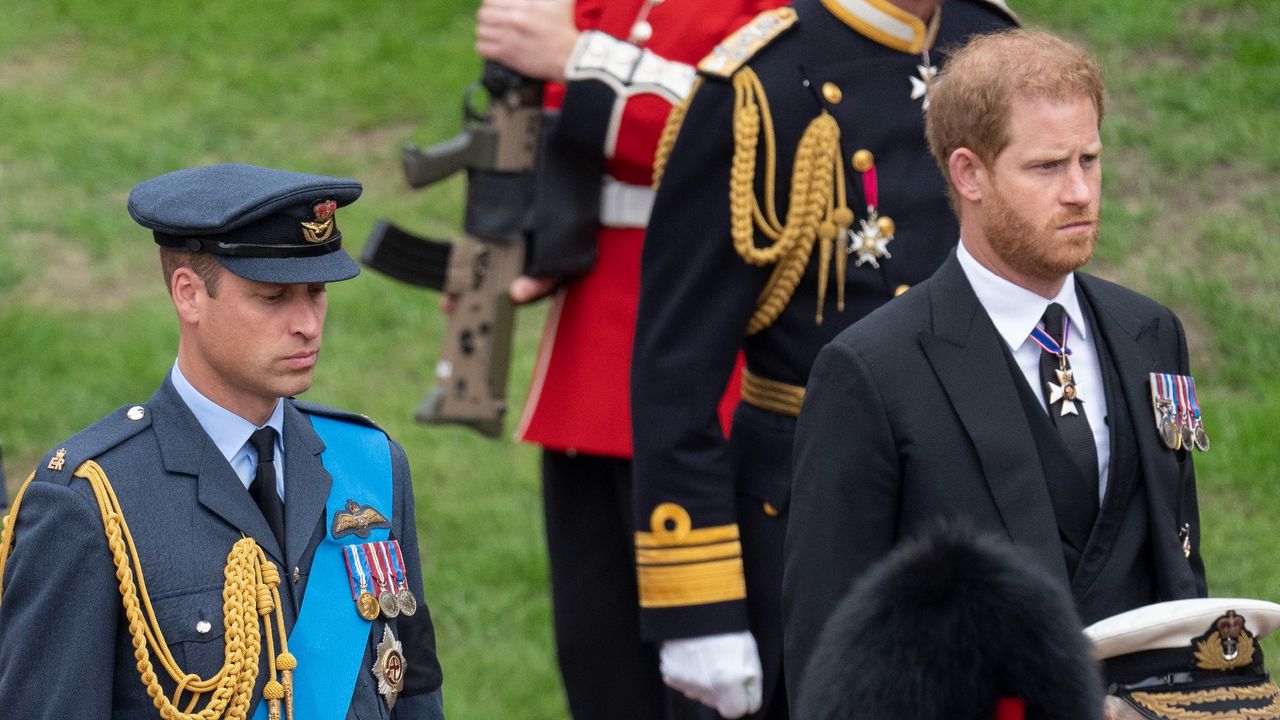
623	205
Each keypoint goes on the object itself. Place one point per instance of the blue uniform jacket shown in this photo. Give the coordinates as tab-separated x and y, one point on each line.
65	650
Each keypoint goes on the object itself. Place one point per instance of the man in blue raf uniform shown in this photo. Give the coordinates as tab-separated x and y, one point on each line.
224	548
797	196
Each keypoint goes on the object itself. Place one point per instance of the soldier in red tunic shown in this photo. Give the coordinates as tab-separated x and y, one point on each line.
615	69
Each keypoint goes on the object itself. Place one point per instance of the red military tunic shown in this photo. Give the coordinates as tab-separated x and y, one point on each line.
579	397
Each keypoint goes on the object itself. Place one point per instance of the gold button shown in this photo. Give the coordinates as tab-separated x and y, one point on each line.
886	226
831	92
863	160
901	289
770	510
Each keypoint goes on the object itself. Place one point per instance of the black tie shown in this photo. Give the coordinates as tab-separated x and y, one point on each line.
263	487
1080	501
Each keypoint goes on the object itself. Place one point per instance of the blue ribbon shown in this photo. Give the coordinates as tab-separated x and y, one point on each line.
330	637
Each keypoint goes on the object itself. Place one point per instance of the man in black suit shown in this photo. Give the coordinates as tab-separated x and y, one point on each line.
958	399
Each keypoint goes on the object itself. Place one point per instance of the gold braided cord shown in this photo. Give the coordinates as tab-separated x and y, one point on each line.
670	130
812	185
816	212
250	591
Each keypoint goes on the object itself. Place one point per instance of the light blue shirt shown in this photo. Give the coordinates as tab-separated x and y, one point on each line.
230	432
1016	311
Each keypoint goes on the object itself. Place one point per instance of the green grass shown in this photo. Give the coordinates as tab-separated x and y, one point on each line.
95	96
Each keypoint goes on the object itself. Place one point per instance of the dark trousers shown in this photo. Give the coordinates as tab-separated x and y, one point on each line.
608	672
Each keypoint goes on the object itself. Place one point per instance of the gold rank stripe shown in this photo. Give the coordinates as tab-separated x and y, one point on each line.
698	553
666	586
700	536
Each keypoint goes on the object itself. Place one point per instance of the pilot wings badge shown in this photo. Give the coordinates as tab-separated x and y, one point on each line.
357	520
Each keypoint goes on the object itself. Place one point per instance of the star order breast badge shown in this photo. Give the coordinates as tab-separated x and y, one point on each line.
389	667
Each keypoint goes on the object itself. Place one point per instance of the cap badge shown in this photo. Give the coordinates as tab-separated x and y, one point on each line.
1227	645
320	230
357	520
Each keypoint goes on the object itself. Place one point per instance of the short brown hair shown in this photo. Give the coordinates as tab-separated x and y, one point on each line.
970	99
201	263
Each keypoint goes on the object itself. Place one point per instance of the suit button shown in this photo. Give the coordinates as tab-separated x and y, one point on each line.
770	510
832	93
901	289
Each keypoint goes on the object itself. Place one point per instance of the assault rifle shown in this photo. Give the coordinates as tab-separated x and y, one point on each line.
498	148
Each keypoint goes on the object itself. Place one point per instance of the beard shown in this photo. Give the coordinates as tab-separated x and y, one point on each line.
1037	252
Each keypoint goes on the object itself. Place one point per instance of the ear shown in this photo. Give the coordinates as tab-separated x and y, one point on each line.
188	291
968	174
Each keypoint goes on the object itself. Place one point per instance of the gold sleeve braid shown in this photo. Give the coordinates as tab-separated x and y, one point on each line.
250	591
678	565
817	209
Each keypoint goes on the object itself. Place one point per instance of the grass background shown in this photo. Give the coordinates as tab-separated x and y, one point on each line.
95	96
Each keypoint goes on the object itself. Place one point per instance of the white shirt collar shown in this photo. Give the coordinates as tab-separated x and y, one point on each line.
228	430
1015	310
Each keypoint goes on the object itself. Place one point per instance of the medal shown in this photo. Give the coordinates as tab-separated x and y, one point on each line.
389	667
366	603
1177	412
408	603
1066	390
871	242
1198	436
386	597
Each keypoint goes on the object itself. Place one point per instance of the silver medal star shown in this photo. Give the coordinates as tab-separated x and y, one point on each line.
869	243
1066	391
920	85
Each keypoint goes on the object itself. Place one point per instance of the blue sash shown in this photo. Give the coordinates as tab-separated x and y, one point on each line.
329	638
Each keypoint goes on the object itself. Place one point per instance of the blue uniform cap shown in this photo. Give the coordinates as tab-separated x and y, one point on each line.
261	224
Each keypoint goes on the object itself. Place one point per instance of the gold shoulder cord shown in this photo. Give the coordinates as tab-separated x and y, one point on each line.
250	591
817	210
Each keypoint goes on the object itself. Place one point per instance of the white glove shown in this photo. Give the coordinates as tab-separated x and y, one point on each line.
720	671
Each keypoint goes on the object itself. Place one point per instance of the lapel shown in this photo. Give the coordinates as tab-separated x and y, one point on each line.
964	350
307	483
186	449
1133	343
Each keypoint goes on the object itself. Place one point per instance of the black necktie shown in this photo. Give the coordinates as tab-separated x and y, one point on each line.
263	487
1081	499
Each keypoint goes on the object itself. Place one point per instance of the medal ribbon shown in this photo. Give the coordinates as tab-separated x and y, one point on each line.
1195	400
1184	399
399	564
1051	346
871	188
370	554
384	554
354	570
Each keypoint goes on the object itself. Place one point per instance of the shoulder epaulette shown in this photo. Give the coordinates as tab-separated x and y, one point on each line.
746	41
1001	7
326	411
95	440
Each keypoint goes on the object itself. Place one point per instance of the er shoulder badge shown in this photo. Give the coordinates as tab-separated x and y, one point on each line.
389	667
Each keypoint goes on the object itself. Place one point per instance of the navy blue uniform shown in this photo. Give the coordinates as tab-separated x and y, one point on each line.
712	513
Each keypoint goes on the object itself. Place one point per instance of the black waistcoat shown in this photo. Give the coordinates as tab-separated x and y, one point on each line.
1115	571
